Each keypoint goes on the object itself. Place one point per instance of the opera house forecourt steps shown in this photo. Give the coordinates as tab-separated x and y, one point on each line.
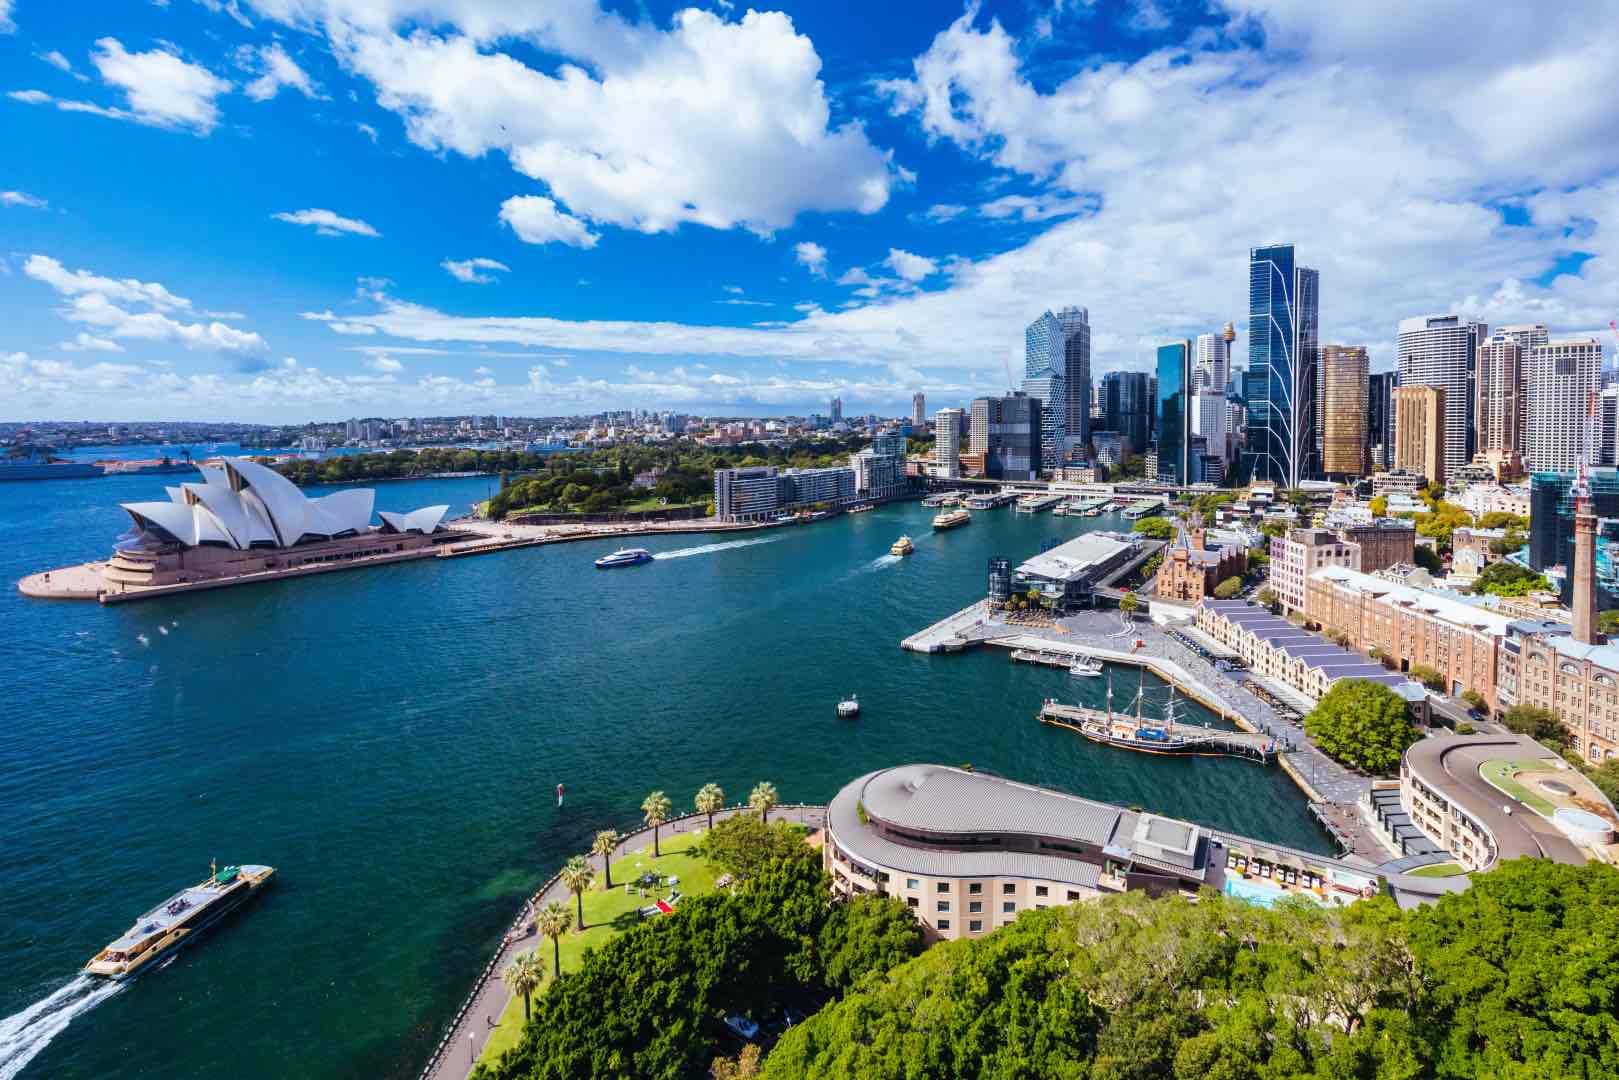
244	522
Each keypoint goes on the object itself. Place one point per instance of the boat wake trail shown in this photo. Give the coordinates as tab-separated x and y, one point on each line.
23	1035
705	549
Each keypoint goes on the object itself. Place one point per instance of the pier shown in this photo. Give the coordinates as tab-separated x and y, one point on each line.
1034	504
1121	730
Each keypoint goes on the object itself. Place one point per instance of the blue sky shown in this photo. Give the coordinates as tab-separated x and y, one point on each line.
292	209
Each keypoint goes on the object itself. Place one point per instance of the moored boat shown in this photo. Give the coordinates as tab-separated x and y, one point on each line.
1085	668
624	557
952	519
177	920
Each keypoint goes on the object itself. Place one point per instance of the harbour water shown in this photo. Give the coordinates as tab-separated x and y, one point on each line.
390	740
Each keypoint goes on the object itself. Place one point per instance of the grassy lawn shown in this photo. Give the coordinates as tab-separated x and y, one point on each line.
1448	869
608	913
1500	772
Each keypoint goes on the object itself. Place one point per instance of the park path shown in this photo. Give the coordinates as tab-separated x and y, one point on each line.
455	1054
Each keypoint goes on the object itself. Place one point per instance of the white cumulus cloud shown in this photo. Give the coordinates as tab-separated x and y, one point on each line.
22	198
912	268
538	220
469	270
277	70
811	256
161	88
327	223
710	120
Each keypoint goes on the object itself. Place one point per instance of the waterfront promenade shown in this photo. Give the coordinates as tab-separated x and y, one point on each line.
457	1052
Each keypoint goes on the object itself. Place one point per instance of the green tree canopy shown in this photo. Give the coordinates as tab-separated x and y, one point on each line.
1432	678
1379	505
865	937
1535	722
1156	528
1362	724
743	845
1509	579
1429	560
1228	588
1524	968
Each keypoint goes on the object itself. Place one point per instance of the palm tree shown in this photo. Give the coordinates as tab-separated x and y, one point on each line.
523	976
603	845
710	797
762	798
578	876
657	809
553	921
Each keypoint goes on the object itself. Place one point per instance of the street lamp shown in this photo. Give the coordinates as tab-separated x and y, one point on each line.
472	1048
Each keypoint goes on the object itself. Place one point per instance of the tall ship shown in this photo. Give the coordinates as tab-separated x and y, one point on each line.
952	519
177	920
38	466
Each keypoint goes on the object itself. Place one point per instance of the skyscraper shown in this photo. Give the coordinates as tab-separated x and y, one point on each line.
1441	350
1213	366
1283	326
1174	436
1498	407
1209	415
1380	417
1419	431
947	442
1057	371
1562	377
1127	406
1006	430
919	410
837	410
1527	335
1343	410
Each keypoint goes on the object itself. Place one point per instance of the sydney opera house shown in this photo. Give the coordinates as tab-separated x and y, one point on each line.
244	518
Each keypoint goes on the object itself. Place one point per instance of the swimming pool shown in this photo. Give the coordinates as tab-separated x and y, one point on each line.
1261	892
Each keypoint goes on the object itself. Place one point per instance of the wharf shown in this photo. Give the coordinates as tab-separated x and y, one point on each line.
1100	726
1335	793
1031	648
1034	504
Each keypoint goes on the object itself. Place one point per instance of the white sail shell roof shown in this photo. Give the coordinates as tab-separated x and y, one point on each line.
241	503
424	520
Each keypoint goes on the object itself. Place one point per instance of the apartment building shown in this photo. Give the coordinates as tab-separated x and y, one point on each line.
1300	553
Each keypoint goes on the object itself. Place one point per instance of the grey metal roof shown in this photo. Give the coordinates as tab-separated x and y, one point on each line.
934	798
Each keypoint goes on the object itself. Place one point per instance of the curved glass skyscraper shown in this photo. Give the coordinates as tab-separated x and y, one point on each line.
1283	352
1057	371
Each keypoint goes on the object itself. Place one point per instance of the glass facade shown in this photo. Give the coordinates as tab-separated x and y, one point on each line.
1057	371
1283	327
1127	407
1174	382
1551	529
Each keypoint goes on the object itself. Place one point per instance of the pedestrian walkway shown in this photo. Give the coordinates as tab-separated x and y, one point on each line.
458	1051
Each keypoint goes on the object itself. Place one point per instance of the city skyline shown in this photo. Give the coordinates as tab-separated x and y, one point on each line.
918	217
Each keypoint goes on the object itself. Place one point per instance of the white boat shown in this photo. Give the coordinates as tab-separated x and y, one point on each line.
1084	668
849	707
624	557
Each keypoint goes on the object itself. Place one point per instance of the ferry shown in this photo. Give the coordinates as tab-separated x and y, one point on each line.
177	920
624	557
861	509
902	546
952	519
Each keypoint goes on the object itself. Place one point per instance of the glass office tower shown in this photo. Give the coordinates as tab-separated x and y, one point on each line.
1283	351
1174	436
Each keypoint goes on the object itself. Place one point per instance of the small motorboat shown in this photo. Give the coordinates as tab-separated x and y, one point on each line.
1085	669
624	557
848	708
902	546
